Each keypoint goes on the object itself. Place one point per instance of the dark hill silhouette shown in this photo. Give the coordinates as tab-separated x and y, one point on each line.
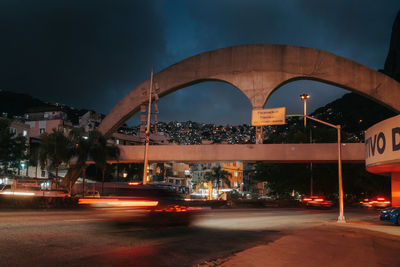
17	104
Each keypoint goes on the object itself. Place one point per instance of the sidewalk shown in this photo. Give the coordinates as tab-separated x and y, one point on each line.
331	244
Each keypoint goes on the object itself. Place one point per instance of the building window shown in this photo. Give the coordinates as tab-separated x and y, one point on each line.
43	174
236	174
235	184
117	141
42	130
25	133
13	131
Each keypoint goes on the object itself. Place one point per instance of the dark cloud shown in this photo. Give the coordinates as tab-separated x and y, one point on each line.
82	53
356	30
89	54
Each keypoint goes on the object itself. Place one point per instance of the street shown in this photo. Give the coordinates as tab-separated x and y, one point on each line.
217	237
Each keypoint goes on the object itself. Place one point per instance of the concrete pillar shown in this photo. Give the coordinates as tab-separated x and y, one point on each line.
396	189
259	135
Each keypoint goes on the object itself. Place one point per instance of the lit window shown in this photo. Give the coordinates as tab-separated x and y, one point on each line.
236	174
117	141
42	130
13	131
235	184
25	133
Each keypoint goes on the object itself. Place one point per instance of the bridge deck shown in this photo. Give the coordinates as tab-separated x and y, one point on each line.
285	153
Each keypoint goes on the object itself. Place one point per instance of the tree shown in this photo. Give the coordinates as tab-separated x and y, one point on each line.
283	178
12	148
218	175
55	148
34	156
101	151
81	146
18	149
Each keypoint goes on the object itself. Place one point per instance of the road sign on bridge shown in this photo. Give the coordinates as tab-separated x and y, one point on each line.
271	116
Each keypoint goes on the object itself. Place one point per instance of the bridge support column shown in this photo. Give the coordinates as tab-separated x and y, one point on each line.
259	135
395	189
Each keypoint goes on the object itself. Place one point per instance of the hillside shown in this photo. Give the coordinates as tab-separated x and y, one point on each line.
17	104
354	113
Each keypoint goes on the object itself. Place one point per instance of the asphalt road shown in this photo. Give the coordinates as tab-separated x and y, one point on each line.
81	238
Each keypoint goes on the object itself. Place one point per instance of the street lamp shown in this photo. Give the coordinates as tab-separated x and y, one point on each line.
341	217
304	97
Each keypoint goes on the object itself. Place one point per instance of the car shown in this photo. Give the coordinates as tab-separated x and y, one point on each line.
316	202
144	205
391	214
376	202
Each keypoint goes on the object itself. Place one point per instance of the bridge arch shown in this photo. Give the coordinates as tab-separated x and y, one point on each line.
257	70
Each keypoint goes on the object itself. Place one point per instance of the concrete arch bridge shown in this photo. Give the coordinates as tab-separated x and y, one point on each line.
256	70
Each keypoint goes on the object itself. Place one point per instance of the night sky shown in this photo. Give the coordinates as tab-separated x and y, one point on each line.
89	54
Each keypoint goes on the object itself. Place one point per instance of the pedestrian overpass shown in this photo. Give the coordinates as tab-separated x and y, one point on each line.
283	153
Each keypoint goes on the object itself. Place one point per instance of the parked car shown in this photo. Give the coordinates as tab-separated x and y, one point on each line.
376	202
391	214
316	201
144	205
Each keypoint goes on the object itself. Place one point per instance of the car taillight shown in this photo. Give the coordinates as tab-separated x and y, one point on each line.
319	199
306	199
386	202
380	198
115	202
173	208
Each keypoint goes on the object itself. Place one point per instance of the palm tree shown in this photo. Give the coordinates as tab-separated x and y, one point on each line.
101	151
93	147
12	148
81	145
55	148
218	175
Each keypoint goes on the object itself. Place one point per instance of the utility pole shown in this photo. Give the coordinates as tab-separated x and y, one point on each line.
146	150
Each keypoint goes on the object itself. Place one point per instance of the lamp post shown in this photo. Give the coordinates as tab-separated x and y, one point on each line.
341	217
304	97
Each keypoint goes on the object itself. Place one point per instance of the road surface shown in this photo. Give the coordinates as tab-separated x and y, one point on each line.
217	237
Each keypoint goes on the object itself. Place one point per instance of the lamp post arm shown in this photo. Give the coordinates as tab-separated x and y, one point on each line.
314	119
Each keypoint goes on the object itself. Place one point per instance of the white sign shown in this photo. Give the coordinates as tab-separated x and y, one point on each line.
271	116
382	142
